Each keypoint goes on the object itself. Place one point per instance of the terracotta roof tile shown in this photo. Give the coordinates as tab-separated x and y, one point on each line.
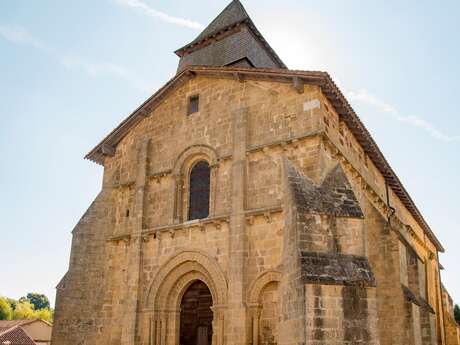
7	324
16	336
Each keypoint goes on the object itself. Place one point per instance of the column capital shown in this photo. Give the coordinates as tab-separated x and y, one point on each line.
254	309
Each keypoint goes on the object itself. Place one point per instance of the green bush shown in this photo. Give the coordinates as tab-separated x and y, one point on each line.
6	312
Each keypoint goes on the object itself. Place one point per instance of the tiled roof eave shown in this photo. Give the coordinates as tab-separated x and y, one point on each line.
180	52
113	138
321	79
16	335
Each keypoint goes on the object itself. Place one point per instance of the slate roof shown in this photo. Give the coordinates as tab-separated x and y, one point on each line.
232	15
15	335
321	79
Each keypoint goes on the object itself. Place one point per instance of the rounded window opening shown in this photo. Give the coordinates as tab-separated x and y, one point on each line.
196	315
199	191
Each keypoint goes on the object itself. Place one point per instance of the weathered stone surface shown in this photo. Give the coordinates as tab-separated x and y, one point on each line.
411	297
452	332
299	245
334	196
327	268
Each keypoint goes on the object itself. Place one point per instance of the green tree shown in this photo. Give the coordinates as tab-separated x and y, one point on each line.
457	313
12	302
11	309
39	301
24	310
45	314
6	312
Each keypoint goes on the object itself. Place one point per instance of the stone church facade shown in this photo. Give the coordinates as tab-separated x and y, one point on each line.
245	203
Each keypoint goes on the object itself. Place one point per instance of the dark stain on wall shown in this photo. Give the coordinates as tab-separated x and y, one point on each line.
355	311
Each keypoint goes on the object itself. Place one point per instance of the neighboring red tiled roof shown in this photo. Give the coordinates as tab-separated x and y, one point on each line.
16	336
321	79
7	324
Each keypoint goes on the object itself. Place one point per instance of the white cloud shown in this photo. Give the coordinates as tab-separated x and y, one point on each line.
20	35
102	69
365	97
160	15
428	127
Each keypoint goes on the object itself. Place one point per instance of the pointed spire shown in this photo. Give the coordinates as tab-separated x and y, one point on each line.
232	14
232	21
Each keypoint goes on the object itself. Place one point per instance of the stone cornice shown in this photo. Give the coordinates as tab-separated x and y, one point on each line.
285	142
200	224
266	212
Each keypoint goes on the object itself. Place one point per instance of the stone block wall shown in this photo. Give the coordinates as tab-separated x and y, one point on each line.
269	315
338	314
452	328
293	246
325	224
81	311
369	185
265	243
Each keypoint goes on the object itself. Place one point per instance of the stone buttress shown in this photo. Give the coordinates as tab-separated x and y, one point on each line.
328	294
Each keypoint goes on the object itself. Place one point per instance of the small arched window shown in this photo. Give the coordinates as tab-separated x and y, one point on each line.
199	191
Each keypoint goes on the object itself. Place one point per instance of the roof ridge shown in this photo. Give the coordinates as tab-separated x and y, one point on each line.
9	329
22	330
238	15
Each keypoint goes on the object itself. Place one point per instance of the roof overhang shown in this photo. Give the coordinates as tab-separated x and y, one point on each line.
197	44
321	79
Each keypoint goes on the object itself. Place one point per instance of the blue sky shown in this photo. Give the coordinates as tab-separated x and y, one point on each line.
71	71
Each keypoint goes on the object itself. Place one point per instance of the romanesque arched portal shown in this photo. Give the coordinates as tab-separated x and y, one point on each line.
196	315
184	272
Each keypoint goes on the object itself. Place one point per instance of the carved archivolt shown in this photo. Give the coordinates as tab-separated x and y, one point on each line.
191	154
259	283
254	296
179	272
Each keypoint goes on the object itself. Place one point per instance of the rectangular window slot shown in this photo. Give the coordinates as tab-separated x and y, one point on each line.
193	102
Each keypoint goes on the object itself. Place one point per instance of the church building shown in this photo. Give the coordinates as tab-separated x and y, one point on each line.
246	204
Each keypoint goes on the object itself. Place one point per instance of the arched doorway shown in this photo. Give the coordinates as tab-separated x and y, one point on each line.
169	287
269	314
263	302
196	315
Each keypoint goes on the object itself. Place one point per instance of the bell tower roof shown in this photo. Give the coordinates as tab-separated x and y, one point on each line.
230	39
232	14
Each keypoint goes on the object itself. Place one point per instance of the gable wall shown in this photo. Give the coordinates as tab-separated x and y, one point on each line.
279	123
275	117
